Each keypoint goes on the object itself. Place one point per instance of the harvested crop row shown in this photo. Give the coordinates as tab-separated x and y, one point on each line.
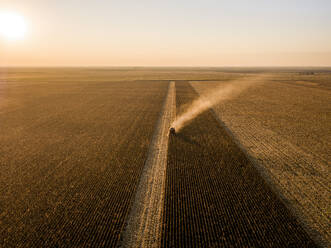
72	160
145	219
215	196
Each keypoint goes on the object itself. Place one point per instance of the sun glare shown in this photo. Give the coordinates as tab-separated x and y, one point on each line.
12	26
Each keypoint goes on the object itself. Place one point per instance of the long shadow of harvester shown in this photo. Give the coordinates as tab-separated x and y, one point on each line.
215	197
187	139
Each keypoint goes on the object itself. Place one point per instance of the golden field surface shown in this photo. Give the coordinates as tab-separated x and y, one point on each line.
71	157
74	143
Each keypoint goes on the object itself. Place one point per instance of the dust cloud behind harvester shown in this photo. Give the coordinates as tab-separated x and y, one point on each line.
221	93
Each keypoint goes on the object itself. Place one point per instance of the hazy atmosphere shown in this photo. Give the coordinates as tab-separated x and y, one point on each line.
166	33
165	124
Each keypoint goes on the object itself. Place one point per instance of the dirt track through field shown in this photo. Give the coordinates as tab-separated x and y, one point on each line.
144	221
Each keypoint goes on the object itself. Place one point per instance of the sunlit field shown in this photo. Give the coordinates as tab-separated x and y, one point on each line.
250	169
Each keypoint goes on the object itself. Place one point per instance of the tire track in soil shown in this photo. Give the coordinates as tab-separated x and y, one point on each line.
144	222
215	197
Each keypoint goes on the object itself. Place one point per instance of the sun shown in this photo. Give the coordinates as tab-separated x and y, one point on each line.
12	26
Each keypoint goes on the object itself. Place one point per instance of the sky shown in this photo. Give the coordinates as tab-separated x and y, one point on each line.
169	33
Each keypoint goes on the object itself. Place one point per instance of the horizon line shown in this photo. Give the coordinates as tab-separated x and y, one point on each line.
164	66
